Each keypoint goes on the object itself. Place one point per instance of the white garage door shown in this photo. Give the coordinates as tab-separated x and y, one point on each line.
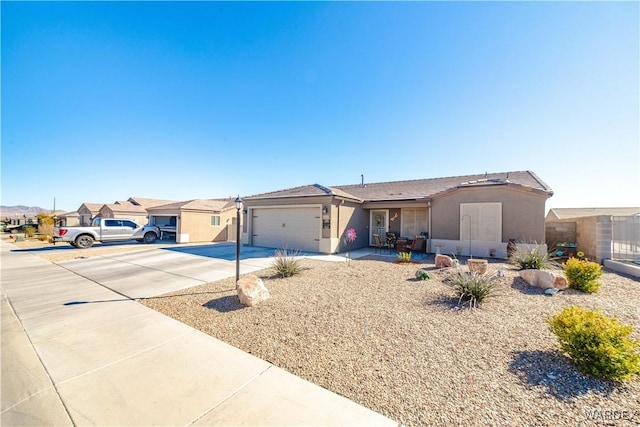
293	228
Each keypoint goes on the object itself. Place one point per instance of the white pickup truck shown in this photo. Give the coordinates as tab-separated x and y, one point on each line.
105	230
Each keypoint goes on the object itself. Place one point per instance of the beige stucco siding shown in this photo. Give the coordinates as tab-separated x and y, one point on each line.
523	212
198	225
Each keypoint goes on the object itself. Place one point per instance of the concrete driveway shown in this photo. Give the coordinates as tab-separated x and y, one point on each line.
153	272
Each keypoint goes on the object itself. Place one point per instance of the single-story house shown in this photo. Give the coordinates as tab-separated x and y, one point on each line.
124	210
134	208
88	211
467	215
600	233
210	220
67	219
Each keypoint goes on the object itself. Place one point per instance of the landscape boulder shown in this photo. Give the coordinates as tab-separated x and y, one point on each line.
251	290
544	279
443	261
478	266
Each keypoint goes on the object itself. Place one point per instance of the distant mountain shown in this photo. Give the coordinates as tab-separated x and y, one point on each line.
21	210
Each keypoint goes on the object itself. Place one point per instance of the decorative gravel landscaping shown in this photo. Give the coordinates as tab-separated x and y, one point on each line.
370	331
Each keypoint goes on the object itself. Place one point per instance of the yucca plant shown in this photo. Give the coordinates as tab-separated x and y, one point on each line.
529	259
287	263
472	288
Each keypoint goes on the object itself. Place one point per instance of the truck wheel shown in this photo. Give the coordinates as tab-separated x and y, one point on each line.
150	237
84	241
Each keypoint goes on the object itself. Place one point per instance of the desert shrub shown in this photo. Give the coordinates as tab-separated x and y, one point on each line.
472	288
43	238
529	259
597	344
404	256
286	263
583	274
44	228
29	231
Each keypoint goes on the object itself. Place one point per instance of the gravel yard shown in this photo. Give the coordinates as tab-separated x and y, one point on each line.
371	332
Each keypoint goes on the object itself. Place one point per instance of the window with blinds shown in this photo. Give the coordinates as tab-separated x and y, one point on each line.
414	222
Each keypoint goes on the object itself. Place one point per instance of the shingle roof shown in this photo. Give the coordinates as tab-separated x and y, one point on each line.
149	203
414	189
126	207
304	191
567	213
217	205
93	207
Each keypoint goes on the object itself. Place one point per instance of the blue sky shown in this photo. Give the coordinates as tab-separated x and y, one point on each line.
175	100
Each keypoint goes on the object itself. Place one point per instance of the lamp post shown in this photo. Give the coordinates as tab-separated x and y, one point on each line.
238	203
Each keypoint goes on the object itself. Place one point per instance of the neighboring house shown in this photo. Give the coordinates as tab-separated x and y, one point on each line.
88	211
600	233
571	213
210	220
124	210
66	219
472	213
134	208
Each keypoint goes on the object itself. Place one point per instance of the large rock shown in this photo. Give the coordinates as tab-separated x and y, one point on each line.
443	261
544	279
478	266
251	290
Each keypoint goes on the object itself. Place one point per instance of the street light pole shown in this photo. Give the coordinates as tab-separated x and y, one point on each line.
238	203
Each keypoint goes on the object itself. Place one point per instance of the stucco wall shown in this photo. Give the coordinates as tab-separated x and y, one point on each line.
198	225
523	212
350	215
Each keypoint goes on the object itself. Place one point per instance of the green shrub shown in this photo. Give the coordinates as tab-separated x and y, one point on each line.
472	288
404	256
422	274
597	344
583	274
529	259
287	264
29	231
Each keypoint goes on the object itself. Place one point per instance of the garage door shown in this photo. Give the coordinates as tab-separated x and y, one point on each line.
293	228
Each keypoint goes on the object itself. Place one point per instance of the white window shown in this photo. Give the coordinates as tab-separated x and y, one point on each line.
414	222
215	220
481	221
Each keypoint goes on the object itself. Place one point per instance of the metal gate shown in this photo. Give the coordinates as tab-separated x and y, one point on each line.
625	245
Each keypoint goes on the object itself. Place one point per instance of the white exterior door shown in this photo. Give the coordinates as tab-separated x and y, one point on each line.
481	221
378	224
291	228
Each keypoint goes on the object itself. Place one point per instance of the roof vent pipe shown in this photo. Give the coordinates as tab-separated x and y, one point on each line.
361	180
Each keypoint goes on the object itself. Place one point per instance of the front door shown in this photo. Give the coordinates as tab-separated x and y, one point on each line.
378	225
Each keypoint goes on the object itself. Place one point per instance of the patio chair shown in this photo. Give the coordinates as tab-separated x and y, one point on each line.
417	244
391	240
379	246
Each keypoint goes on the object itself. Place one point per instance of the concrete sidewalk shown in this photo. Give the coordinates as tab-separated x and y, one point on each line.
115	362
